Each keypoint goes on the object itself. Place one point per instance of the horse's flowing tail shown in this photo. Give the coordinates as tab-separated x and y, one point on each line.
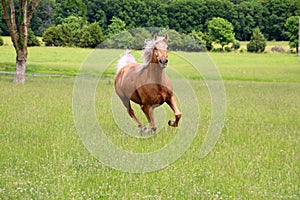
126	58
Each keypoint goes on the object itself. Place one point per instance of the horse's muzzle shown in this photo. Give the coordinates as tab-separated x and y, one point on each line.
163	62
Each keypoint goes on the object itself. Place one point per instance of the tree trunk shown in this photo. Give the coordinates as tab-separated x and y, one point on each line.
20	67
19	31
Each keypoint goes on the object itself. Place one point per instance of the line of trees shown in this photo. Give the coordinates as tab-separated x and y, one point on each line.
274	18
183	16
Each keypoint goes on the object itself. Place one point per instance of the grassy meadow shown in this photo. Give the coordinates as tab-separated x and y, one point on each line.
256	156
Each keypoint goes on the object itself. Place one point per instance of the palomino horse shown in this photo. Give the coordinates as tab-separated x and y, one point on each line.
147	84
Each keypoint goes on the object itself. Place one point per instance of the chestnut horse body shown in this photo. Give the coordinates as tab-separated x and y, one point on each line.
146	84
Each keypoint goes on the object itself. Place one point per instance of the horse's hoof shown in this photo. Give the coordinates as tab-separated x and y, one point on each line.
143	129
153	130
172	123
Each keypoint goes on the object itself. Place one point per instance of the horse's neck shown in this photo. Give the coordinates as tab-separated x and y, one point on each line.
155	73
152	73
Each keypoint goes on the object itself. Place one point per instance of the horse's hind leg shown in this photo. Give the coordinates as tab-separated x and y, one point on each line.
130	111
172	104
148	110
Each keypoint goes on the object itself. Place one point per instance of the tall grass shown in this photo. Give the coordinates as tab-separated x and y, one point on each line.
256	157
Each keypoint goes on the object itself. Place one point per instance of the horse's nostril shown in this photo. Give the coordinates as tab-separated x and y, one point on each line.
166	60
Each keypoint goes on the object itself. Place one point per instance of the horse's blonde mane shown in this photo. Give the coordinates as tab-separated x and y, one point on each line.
148	50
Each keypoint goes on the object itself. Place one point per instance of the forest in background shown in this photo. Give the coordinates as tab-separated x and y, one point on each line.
180	15
184	16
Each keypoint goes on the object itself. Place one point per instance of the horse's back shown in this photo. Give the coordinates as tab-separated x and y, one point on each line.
124	81
124	70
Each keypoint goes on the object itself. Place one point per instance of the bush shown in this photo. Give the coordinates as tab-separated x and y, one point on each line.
257	43
74	31
66	34
135	39
32	39
201	39
236	45
58	36
122	40
1	41
140	35
228	49
91	36
217	49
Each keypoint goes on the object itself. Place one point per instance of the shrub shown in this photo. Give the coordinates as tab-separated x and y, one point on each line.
1	41
32	39
140	35
202	40
227	49
52	36
66	34
217	49
236	45
257	43
91	36
119	41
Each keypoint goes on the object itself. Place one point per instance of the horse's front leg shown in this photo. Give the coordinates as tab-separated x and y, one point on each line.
173	105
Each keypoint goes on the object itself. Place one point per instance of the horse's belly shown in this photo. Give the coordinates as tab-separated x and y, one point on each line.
151	94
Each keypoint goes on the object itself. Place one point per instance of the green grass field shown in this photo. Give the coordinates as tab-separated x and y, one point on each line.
256	156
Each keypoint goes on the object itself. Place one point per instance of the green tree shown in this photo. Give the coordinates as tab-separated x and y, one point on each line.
96	12
66	34
41	19
275	15
185	16
52	36
3	28
219	8
258	42
32	39
292	27
221	31
117	26
63	9
91	36
249	15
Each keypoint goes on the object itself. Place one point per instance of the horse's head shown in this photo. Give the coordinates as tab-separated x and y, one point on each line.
160	51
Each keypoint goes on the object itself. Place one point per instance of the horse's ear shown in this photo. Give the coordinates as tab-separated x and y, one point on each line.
155	37
166	37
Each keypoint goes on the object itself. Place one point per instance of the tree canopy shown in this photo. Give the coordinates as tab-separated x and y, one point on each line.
221	31
183	16
292	26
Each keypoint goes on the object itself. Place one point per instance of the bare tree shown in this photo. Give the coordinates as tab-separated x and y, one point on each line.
18	30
